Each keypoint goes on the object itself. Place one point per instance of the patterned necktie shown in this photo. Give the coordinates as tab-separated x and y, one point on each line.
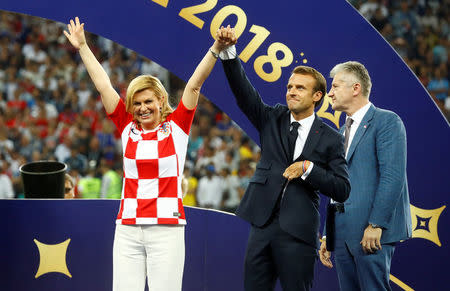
348	125
293	134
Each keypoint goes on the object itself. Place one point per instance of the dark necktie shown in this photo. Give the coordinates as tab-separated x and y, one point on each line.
348	125
293	134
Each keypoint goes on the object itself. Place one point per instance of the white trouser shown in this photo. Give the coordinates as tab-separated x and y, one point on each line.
155	251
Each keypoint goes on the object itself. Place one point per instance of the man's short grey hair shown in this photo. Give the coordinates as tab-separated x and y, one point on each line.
358	71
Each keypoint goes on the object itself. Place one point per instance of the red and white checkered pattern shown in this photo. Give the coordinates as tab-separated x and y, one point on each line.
153	163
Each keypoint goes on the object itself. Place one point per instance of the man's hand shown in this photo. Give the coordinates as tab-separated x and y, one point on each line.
325	256
371	239
293	171
225	37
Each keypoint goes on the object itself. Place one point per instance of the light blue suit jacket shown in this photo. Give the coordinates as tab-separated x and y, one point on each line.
377	169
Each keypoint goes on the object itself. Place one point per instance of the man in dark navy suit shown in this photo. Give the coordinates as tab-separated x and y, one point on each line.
300	157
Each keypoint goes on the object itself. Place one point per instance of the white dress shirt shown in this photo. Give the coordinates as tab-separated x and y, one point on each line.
357	118
303	131
229	53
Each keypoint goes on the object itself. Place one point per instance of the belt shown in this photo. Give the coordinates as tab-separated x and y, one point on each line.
338	207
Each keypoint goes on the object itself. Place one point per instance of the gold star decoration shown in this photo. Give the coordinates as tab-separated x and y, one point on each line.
424	223
52	258
322	112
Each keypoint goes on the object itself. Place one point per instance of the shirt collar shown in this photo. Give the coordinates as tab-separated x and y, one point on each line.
359	114
305	123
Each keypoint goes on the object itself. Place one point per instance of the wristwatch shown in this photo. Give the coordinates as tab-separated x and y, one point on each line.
375	225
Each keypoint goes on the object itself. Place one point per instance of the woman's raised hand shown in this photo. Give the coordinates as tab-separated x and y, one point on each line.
76	33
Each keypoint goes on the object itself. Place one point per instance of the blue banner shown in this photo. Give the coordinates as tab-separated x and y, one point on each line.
275	36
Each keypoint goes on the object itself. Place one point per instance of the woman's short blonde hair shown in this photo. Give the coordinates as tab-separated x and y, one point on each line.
145	82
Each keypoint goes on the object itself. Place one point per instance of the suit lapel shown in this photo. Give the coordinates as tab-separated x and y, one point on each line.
312	139
362	128
284	131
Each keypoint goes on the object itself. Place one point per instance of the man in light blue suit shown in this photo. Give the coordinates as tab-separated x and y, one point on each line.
364	230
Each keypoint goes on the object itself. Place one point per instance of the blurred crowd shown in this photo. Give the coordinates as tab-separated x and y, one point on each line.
49	109
419	30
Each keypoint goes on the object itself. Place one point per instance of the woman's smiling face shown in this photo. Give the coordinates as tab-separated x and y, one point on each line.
147	109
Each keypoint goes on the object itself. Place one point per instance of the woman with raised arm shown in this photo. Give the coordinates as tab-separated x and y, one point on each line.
149	236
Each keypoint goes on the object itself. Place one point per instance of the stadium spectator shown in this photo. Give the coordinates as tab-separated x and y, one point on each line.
90	185
231	185
69	187
190	199
111	182
6	186
439	86
210	189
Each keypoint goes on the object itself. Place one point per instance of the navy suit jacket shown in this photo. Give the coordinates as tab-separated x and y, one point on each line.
299	208
377	168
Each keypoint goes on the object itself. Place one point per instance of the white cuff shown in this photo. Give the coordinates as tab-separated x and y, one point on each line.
305	174
229	53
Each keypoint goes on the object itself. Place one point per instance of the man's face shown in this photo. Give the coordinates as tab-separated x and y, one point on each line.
341	92
299	94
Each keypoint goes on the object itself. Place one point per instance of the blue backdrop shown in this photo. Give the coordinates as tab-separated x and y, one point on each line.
275	37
